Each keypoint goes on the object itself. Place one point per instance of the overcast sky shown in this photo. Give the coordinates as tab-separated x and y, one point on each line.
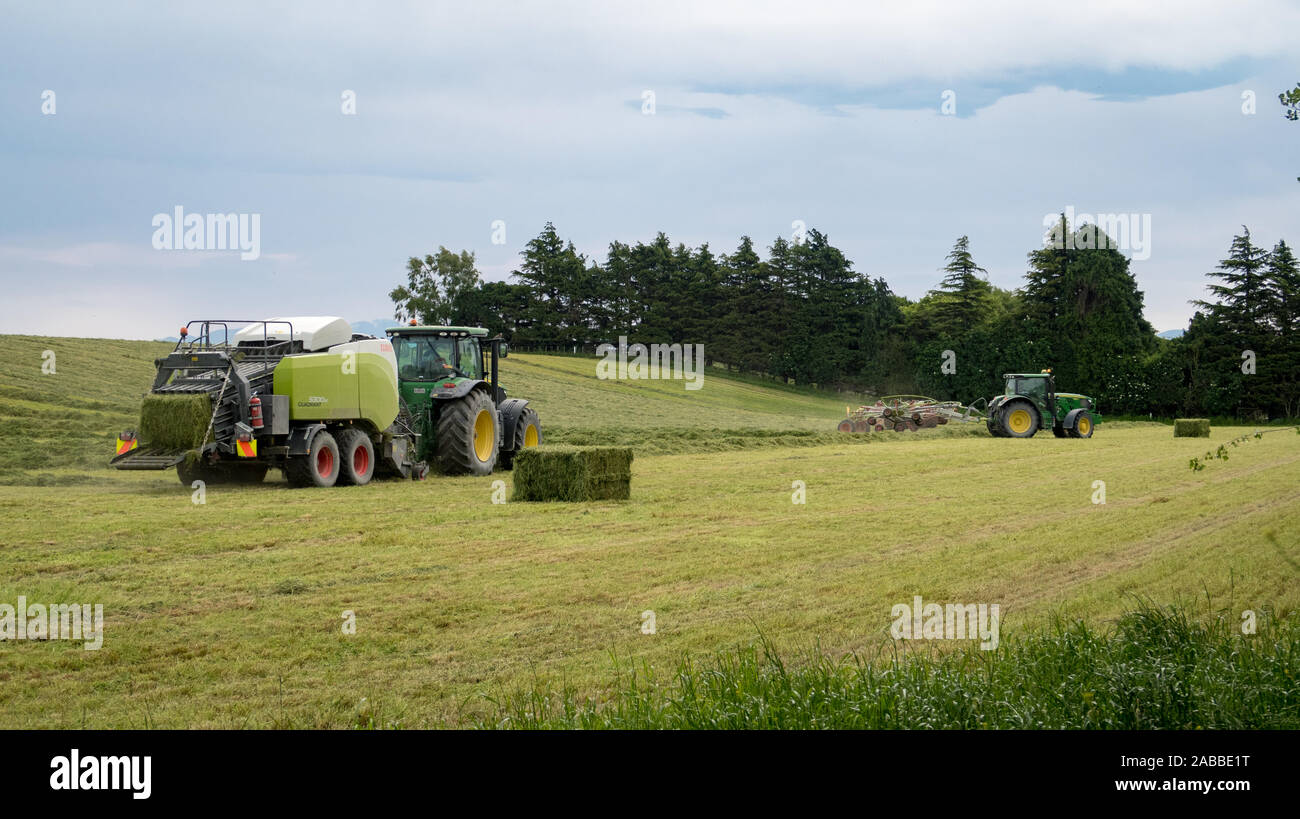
764	113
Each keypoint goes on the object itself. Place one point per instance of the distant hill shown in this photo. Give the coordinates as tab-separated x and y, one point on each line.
1171	334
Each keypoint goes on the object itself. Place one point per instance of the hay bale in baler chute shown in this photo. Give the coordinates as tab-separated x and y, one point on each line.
573	474
174	422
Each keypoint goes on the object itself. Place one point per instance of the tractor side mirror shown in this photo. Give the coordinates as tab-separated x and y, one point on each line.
505	349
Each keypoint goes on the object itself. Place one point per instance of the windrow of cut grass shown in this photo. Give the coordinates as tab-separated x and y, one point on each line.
1157	668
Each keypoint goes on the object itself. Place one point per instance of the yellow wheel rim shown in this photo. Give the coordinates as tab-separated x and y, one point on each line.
530	435
485	435
1019	421
1084	425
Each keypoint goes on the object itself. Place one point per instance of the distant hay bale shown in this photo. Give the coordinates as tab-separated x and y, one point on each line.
1191	427
566	473
174	422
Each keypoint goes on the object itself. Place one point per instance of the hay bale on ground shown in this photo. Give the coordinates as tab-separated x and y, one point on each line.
567	473
1191	427
174	422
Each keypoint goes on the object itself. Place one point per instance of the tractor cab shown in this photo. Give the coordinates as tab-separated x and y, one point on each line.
444	363
1037	387
448	381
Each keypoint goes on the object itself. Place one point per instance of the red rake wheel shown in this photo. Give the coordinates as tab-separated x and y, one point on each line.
845	426
859	426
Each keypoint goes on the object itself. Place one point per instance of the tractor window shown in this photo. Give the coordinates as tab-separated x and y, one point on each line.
471	363
423	358
1031	387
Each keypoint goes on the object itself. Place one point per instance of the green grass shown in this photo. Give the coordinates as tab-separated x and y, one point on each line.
228	614
1156	668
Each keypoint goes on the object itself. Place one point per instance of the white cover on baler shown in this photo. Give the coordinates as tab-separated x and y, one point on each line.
315	332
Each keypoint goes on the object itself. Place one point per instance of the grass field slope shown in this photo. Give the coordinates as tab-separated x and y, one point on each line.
229	613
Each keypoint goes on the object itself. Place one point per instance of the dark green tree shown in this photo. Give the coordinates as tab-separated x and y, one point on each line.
964	294
433	286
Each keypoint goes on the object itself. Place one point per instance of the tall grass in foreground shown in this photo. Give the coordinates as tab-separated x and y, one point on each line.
1157	668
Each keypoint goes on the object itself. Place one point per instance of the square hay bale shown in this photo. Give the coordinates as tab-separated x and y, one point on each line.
1191	427
568	473
174	422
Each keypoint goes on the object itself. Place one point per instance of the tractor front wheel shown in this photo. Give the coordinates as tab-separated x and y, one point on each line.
1019	420
528	434
465	436
1082	426
319	467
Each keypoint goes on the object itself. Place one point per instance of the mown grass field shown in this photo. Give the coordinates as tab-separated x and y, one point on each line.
228	614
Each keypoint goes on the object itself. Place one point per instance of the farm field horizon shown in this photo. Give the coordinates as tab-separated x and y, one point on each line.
228	614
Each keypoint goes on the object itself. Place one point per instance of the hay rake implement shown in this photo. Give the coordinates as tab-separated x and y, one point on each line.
907	413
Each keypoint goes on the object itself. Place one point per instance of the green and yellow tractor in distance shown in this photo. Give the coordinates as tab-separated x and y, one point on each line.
1030	402
325	405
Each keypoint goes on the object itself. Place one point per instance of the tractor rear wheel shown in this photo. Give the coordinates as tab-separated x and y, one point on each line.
528	433
1019	420
465	436
356	457
319	467
1082	426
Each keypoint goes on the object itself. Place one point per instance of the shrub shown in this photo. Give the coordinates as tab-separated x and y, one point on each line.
1192	428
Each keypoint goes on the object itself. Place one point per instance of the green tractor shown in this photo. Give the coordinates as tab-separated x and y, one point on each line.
1030	402
451	396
